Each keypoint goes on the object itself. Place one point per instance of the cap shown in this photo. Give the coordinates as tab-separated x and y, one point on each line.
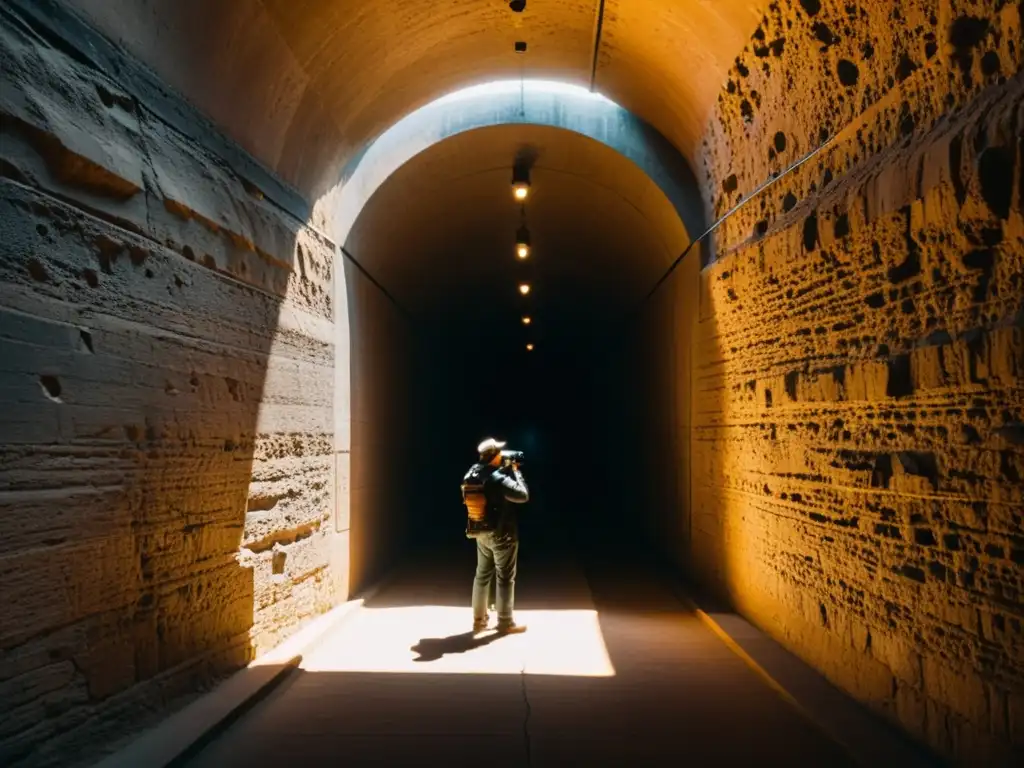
489	447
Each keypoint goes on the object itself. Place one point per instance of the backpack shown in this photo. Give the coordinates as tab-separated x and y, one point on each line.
481	515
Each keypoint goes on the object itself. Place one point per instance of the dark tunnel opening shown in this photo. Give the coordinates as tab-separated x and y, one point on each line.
602	236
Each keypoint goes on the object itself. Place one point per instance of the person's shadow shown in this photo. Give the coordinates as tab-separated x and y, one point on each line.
434	648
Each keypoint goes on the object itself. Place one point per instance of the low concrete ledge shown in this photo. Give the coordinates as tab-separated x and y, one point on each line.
183	734
867	738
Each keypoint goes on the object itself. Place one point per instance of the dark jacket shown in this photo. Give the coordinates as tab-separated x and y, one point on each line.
503	488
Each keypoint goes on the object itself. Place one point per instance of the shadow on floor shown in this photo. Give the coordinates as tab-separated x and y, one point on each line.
434	648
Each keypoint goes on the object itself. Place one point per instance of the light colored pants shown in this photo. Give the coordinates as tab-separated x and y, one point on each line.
495	560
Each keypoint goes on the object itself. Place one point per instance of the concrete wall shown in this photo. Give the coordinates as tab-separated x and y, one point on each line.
644	391
167	486
858	407
383	430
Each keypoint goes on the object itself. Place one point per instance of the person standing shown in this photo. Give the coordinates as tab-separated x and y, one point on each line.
491	490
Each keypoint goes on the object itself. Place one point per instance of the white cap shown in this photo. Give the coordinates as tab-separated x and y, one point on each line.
489	447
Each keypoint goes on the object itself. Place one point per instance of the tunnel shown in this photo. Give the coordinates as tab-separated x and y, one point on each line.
756	321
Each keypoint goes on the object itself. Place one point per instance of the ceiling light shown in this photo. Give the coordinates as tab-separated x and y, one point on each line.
527	321
529	347
524	288
520	181
522	242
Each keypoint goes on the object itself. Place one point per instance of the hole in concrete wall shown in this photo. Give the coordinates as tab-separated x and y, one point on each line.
921	464
91	278
811	7
747	111
841	226
990	64
964	35
980	258
51	387
517	6
881	474
520	46
901	382
792	379
86	338
995	171
848	72
811	232
730	184
875	300
824	614
789	202
911	265
1008	467
824	34
912	572
924	537
905	68
38	271
780	142
277	562
907	120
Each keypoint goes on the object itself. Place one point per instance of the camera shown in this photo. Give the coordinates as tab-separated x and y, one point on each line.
508	458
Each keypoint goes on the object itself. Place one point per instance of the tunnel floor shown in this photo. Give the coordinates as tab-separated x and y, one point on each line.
613	670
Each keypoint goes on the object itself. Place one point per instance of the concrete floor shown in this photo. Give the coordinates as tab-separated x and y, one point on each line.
612	671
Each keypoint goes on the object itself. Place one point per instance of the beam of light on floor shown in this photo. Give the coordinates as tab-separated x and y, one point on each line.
435	639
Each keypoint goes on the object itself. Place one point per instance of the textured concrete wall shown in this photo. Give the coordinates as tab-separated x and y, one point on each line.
858	405
166	369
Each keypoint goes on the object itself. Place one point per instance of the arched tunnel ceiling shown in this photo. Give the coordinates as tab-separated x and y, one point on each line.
305	84
439	234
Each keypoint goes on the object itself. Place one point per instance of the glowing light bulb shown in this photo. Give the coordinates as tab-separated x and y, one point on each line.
527	321
529	347
524	288
522	250
520	191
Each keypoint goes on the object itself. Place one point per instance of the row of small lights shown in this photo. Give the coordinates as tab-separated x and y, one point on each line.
520	191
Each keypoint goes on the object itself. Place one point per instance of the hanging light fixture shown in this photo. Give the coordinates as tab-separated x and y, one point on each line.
529	347
523	242
524	288
520	181
527	320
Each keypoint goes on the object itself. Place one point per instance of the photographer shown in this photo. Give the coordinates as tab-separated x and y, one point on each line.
491	489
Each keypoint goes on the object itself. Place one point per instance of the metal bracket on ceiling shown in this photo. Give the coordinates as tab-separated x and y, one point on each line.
598	26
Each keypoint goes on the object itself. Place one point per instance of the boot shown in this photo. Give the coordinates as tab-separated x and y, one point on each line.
509	627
